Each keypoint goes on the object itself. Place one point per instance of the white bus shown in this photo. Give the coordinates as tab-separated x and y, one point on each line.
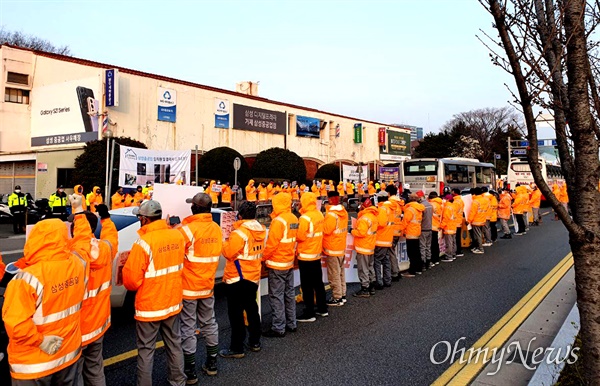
436	174
519	172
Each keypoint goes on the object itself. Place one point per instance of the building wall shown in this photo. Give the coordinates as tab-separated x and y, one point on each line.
136	117
46	181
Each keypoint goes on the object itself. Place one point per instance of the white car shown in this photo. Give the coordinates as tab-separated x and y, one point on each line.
127	225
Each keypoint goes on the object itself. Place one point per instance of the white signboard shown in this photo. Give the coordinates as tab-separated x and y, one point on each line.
65	113
138	166
351	173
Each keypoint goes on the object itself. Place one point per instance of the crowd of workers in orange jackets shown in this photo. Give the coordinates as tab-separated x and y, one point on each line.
57	307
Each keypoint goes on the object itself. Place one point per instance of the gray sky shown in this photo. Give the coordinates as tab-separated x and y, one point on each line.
416	62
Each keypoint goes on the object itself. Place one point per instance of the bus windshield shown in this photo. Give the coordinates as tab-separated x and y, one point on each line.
420	168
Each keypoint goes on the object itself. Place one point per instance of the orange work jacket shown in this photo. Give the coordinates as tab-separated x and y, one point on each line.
448	221
411	222
335	230
251	191
117	201
154	270
280	250
479	210
385	228
310	229
365	231
203	245
243	252
44	298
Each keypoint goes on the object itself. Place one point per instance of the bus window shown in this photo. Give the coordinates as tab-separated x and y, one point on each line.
420	168
456	173
487	175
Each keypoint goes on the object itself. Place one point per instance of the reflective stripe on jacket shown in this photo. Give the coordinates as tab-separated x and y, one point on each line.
154	269
44	298
203	245
448	222
437	213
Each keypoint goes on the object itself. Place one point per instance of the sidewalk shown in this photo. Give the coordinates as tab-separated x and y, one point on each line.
553	324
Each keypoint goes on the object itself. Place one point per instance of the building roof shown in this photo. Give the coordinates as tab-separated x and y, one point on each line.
91	63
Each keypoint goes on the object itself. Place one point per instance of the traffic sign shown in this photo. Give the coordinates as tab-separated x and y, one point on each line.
237	163
519	152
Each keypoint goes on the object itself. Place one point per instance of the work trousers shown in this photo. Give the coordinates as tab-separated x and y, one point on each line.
477	236
504	224
381	264
425	245
147	333
413	251
393	254
64	377
487	232
201	313
450	241
311	282
520	223
458	238
90	366
18	222
336	275
282	298
536	214
241	296
494	230
435	247
366	269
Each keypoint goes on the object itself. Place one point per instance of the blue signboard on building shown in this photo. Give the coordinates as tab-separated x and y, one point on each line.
308	127
167	104
111	87
221	113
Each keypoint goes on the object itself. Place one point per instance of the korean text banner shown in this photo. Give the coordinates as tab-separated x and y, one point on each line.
308	127
138	166
388	174
65	113
167	104
255	119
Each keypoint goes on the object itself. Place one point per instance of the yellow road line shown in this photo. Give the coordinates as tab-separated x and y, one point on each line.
127	355
498	335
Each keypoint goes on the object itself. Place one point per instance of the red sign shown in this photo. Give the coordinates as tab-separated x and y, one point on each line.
381	136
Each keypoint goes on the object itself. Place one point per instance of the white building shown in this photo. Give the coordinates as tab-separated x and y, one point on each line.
50	100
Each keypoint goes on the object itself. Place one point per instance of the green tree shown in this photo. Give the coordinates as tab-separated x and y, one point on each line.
434	146
328	172
217	164
90	166
278	163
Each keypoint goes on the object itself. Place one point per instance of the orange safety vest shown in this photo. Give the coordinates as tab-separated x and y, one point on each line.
154	270
310	229
245	245
349	188
138	197
411	222
117	201
365	231
340	189
398	205
385	227
335	230
45	298
226	193
504	206
448	222
251	191
479	209
203	244
437	213
280	251
493	208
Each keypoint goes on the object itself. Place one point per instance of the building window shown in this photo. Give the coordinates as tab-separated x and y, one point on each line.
64	177
16	95
15	77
